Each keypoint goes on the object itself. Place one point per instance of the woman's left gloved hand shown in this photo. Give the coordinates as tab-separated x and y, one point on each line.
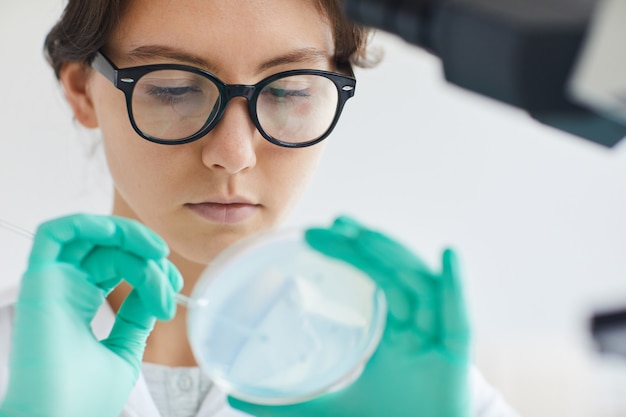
420	367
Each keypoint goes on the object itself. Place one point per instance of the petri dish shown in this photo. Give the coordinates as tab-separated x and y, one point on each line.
273	321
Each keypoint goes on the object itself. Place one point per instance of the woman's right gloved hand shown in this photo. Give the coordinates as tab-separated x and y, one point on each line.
57	367
421	366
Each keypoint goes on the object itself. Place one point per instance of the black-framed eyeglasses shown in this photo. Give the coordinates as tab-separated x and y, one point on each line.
174	104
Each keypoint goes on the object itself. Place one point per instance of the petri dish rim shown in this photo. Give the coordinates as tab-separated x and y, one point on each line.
238	252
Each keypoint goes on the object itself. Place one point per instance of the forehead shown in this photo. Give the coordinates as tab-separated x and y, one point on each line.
232	35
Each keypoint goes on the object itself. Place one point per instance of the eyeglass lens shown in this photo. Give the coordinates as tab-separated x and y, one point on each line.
176	104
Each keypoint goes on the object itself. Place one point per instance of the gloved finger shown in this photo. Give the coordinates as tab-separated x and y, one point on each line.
381	250
51	237
174	276
60	289
426	315
410	276
418	326
401	307
455	324
374	243
138	239
107	266
336	245
340	246
347	226
133	324
392	256
75	251
410	287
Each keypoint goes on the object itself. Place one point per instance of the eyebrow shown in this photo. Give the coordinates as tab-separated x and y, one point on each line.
165	52
158	51
294	57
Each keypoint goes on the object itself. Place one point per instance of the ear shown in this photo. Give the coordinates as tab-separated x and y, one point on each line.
74	78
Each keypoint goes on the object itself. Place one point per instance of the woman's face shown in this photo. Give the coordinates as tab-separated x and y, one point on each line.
204	195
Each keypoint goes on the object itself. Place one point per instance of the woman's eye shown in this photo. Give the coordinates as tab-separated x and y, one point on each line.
285	96
172	94
281	92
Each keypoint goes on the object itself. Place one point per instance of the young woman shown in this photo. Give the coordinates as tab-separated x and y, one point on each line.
212	115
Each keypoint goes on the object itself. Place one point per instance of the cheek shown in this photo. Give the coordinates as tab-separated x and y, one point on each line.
296	171
133	162
110	106
121	143
125	152
144	173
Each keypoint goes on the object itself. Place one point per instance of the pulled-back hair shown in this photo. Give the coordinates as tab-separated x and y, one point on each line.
86	25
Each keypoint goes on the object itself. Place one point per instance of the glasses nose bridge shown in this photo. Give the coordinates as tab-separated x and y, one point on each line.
239	90
230	91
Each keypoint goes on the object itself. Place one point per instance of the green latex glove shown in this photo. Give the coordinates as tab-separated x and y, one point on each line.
57	367
420	368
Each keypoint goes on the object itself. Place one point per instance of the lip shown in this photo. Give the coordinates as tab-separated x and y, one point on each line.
223	211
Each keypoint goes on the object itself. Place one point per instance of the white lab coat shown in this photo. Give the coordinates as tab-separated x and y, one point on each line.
486	402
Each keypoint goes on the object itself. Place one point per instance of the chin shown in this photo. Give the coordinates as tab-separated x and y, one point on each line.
205	250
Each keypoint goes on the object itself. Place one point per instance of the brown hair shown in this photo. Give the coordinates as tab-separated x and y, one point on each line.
86	25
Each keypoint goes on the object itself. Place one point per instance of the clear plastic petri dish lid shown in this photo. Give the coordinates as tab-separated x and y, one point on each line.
273	321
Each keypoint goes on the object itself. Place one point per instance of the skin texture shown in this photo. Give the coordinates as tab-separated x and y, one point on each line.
240	41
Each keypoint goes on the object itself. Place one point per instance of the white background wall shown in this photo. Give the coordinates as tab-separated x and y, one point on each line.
537	216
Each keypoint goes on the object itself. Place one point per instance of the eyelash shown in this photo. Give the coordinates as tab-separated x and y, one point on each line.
170	95
280	93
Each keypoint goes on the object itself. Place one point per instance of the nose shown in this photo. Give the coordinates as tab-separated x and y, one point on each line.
230	146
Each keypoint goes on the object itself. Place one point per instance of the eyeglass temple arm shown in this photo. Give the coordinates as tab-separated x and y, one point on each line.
105	67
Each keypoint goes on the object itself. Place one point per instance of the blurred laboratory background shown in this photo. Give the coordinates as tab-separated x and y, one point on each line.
537	216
